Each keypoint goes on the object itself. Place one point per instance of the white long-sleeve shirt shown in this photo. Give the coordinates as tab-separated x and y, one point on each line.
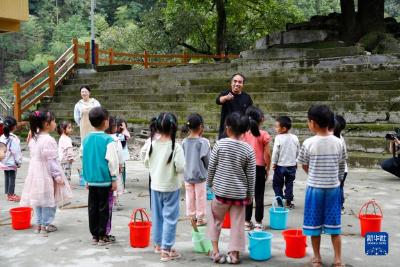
286	149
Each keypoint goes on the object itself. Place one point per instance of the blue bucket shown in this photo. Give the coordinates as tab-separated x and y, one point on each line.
210	194
278	216
260	245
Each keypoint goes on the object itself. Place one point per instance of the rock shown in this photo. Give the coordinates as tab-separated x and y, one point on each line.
380	43
303	36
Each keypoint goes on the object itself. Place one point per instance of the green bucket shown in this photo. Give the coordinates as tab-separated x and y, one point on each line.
200	243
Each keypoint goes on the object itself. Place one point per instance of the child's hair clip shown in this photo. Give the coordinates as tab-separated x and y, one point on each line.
36	113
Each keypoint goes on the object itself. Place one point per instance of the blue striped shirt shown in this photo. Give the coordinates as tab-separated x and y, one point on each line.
326	160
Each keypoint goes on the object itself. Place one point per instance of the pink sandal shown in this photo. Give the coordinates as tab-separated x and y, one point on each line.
169	255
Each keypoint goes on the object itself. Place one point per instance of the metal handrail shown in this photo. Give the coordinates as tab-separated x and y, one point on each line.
5	108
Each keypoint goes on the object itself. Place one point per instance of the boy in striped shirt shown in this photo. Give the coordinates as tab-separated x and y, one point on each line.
323	159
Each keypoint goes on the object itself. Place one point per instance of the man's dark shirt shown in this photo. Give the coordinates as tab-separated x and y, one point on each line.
238	104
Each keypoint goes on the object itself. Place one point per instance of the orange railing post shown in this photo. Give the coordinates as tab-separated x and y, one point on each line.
110	56
75	50
17	103
185	58
96	54
87	52
51	77
145	60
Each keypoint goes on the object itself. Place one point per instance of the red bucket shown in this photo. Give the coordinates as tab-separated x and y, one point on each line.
227	221
296	243
370	222
21	218
140	230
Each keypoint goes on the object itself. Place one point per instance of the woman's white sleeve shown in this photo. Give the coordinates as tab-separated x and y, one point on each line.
77	114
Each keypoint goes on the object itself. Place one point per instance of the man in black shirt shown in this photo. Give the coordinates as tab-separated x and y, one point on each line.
233	100
392	165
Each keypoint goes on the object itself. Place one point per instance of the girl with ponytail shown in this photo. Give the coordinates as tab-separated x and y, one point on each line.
45	185
166	162
12	158
259	140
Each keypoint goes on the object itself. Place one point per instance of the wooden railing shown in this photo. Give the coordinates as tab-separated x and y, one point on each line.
44	83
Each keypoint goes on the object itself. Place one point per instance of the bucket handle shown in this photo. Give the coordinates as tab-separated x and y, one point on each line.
254	243
141	212
276	198
373	203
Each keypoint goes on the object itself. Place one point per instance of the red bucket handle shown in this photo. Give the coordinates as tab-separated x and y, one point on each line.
141	212
373	204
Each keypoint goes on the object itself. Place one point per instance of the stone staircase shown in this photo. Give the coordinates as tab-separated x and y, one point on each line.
363	88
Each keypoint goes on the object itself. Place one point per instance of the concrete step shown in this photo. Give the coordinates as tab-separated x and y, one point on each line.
258	97
292	75
124	88
266	106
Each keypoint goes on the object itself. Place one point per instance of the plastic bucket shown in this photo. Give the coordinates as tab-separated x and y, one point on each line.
227	221
200	243
139	230
278	216
260	245
210	194
21	218
370	222
296	243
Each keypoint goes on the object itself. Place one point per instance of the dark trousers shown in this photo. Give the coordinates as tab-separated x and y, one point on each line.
392	165
284	176
258	196
9	177
341	187
98	210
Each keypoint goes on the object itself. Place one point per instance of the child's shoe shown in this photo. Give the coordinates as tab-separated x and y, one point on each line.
104	241
37	229
218	258
95	241
258	227
157	249
14	198
248	226
169	255
201	222
343	212
290	205
280	203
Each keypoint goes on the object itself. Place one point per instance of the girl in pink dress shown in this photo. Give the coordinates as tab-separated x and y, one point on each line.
45	185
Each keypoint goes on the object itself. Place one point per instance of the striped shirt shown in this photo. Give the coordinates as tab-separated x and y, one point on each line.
326	159
232	169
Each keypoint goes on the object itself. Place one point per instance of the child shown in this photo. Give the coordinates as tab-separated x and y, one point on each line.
340	124
166	161
323	158
197	156
284	154
111	131
231	175
123	135
12	158
45	185
65	148
100	170
259	141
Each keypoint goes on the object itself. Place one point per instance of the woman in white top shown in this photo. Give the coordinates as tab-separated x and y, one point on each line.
81	111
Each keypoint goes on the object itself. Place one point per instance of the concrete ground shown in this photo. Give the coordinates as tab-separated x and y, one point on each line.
70	245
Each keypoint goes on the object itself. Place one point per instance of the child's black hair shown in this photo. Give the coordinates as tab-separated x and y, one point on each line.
340	124
9	124
256	116
62	126
239	124
165	123
119	122
284	121
194	122
97	115
37	119
321	115
112	125
84	87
